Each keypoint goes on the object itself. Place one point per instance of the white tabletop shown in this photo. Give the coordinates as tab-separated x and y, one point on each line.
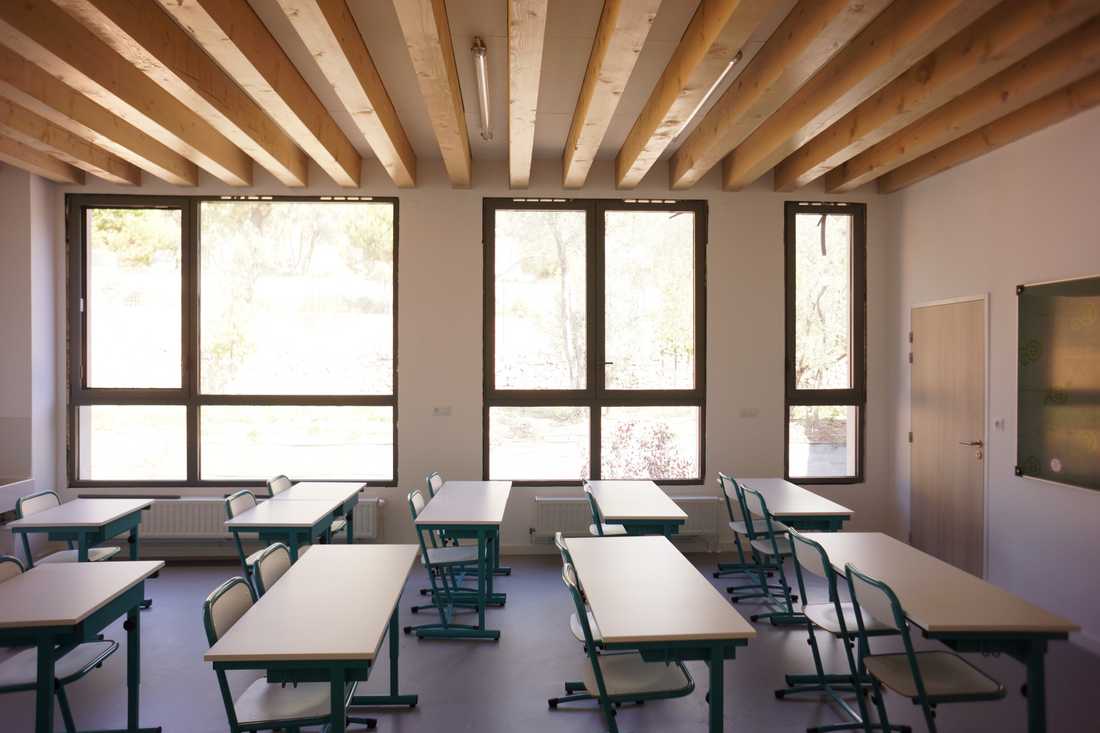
936	596
642	589
467	502
64	594
634	500
331	491
785	499
333	604
83	513
292	514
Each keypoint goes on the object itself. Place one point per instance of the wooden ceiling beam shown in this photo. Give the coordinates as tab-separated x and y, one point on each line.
236	38
1050	110
806	39
37	132
427	33
706	52
31	87
328	30
624	25
526	36
51	38
24	157
896	39
1060	62
1001	37
149	38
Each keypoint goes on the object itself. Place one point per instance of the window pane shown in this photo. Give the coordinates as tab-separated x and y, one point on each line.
650	442
548	443
296	297
649	300
254	442
822	441
823	301
132	442
540	299
134	280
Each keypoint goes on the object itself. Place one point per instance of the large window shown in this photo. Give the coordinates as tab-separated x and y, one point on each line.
594	340
826	385
228	340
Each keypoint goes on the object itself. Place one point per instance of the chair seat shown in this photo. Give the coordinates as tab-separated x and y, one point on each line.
455	555
578	632
95	554
614	530
268	702
758	526
338	525
764	546
946	676
625	675
21	669
823	615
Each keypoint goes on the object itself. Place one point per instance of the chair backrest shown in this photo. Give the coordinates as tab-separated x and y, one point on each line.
725	482
270	566
278	485
594	508
811	557
10	566
876	598
416	505
225	606
435	482
755	504
559	541
34	503
239	502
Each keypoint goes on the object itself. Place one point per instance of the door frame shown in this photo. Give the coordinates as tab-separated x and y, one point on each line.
984	298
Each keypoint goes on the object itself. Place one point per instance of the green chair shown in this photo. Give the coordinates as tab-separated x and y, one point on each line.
838	619
281	483
613	679
434	482
574	620
770	549
927	678
236	504
598	528
19	672
25	506
273	562
265	705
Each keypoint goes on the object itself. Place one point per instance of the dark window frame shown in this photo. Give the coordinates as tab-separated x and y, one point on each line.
856	396
594	396
189	394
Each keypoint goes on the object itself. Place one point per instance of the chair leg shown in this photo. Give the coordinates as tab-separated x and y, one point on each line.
66	712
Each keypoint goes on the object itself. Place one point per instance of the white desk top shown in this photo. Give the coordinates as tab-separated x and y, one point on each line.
335	603
936	596
642	589
634	500
64	594
301	514
83	513
335	492
785	499
467	502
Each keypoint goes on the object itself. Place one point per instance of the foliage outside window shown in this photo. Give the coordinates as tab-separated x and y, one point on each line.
594	340
229	340
825	335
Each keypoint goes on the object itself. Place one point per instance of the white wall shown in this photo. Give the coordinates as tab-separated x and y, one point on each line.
440	331
1025	213
15	319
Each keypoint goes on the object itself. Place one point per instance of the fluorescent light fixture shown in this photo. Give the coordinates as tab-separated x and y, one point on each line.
710	92
482	71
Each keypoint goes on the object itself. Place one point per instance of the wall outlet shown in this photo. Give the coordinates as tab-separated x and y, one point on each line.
444	411
749	412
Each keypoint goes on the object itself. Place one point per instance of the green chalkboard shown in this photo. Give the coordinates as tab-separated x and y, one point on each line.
1058	401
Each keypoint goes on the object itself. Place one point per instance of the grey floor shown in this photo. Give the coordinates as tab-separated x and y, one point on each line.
503	686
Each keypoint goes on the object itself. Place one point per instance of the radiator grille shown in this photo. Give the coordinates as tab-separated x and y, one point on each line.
199	518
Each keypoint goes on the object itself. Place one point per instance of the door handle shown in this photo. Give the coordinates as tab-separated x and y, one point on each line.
977	443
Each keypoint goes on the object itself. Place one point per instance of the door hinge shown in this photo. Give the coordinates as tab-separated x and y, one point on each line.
910	337
81	305
910	357
910	436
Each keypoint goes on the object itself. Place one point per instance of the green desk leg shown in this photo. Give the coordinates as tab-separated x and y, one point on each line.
717	707
498	569
349	519
82	548
134	554
292	537
1036	687
337	719
43	715
395	698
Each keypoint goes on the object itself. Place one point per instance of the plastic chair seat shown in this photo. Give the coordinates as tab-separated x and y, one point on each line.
625	675
95	554
338	525
613	530
823	615
21	669
457	555
578	632
764	546
267	702
759	526
946	676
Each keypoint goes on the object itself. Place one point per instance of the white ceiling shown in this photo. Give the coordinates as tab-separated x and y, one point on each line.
570	30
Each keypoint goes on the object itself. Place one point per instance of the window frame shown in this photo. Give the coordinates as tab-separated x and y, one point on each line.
189	394
594	396
856	395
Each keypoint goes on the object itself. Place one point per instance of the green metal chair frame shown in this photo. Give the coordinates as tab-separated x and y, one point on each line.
743	566
897	616
237	535
19	514
59	682
258	574
597	520
575	691
770	535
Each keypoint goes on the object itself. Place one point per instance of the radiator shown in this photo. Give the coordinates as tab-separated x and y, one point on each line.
571	516
203	518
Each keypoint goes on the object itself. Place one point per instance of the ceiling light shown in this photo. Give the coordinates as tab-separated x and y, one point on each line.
482	71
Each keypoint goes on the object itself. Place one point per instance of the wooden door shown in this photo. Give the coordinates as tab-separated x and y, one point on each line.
947	457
